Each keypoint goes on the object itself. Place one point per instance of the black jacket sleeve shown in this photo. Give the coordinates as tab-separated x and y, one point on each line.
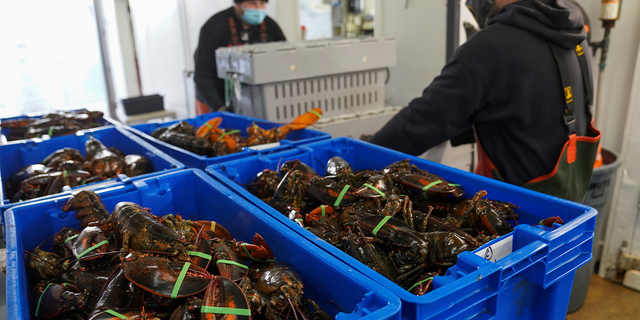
274	31
445	109
205	69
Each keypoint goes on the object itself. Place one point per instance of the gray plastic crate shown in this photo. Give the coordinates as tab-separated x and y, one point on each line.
283	80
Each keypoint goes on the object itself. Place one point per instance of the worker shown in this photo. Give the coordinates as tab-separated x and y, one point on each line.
524	83
246	22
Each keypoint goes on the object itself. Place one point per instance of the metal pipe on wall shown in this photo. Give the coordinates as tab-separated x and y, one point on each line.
106	64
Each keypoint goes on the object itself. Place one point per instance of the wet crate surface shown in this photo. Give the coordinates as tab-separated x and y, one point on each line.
533	282
5	132
195	195
229	121
15	156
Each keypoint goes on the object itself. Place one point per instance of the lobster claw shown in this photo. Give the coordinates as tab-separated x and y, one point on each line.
213	229
431	184
209	127
56	299
224	293
229	263
90	241
202	257
332	193
160	276
302	121
88	207
259	250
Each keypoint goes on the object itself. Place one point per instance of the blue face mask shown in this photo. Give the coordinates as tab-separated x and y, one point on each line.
254	17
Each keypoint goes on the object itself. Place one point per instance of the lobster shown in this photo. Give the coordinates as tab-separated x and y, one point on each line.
101	160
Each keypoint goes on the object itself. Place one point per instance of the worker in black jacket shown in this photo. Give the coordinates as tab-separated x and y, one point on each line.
524	84
244	23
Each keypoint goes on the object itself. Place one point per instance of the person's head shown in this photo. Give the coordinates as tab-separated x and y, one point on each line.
484	10
251	11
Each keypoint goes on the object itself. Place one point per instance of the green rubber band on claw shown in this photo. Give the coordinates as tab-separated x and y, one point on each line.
316	113
223	310
199	254
176	287
420	282
50	131
115	314
71	238
207	125
323	212
380	224
454	185
342	193
227	133
427	187
231	262
100	244
40	299
375	189
247	252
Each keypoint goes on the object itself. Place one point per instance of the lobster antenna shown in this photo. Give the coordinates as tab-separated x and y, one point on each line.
322	165
337	305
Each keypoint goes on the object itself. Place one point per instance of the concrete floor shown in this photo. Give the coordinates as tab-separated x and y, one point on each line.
607	300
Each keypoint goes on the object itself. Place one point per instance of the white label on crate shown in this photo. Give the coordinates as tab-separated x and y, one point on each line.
265	146
497	250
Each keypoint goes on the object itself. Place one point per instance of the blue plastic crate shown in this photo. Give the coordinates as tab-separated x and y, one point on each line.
4	132
17	155
229	121
533	282
195	195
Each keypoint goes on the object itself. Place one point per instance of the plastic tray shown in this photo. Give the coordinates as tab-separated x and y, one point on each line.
17	155
195	195
230	121
4	132
533	282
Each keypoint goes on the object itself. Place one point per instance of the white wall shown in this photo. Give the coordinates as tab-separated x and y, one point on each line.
619	71
420	36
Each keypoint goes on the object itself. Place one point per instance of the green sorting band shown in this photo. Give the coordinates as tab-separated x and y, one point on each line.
418	283
50	131
223	310
92	248
231	262
226	133
316	113
176	287
375	189
39	299
71	238
199	254
379	226
342	193
454	185
247	252
427	187
323	212
115	314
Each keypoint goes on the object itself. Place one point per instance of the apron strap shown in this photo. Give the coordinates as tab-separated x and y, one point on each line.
563	67
263	32
588	86
235	38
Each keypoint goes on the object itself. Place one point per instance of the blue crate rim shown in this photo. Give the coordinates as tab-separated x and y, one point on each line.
176	166
483	271
12	238
247	151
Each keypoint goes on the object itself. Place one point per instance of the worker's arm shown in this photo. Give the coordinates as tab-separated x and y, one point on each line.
206	69
445	109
